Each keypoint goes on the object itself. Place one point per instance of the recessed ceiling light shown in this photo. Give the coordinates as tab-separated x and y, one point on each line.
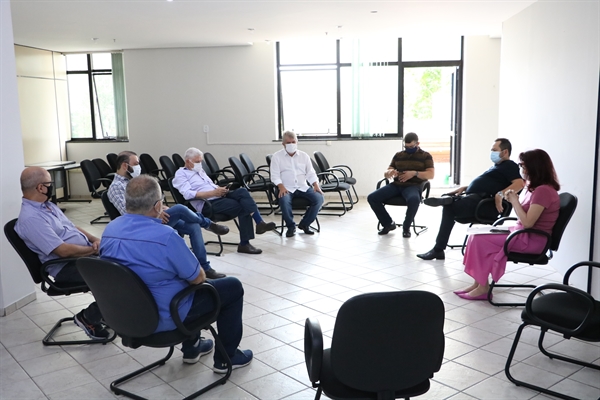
251	29
339	26
94	39
374	12
170	1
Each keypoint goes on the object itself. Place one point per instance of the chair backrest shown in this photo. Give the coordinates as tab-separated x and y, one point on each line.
30	258
126	303
178	160
91	174
269	157
316	167
148	164
177	196
104	169
110	208
388	341
112	161
211	162
168	166
238	169
568	204
321	160
247	162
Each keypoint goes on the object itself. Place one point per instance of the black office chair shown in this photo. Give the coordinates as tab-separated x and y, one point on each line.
207	211
150	167
128	306
343	173
569	311
168	166
109	207
384	346
263	170
105	171
254	183
94	180
568	204
178	160
330	183
485	214
38	273
112	161
400	201
220	176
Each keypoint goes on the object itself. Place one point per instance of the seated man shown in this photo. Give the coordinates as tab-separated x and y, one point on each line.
197	187
291	169
160	257
47	232
179	217
408	169
461	203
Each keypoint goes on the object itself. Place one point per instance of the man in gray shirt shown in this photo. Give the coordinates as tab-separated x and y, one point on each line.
49	233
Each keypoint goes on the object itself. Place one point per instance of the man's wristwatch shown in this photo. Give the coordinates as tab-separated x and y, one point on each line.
501	194
417	175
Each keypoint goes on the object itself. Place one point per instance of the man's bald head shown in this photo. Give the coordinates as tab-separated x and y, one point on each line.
31	177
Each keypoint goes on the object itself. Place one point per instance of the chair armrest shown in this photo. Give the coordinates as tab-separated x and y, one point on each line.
425	187
502	220
579	264
209	318
587	298
340	166
489	202
386	180
324	177
339	170
254	177
524	231
313	349
50	282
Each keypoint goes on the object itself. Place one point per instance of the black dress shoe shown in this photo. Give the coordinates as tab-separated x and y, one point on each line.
306	230
290	232
218	229
432	254
387	229
212	274
406	234
248	249
263	227
438	201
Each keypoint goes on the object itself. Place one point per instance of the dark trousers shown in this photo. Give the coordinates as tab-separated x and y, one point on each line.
229	321
69	274
238	203
412	195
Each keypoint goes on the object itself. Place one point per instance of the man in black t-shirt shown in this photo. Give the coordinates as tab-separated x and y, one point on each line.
462	202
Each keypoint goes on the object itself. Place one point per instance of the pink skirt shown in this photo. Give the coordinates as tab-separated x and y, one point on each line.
485	254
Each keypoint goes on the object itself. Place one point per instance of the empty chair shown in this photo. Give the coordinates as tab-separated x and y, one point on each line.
568	311
149	167
254	182
261	169
168	166
38	273
128	306
343	172
178	160
105	171
94	181
220	176
112	161
330	183
384	346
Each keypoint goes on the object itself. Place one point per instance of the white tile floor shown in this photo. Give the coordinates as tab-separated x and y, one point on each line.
296	278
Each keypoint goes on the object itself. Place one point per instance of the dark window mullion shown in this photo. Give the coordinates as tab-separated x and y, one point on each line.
91	90
339	95
400	91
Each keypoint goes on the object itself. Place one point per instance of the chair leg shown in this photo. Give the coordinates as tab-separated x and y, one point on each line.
99	220
48	340
327	206
221	243
562	358
525	384
494	284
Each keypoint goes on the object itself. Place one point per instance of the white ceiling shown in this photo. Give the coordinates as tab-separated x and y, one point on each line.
70	25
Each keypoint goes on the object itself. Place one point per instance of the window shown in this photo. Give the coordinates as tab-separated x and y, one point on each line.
96	96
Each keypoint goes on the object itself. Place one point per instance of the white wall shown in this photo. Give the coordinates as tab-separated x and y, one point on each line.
16	286
480	104
549	100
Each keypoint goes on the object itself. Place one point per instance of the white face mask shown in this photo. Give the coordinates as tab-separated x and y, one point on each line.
198	167
137	170
291	148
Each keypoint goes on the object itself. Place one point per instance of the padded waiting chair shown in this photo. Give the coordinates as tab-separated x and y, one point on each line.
38	273
220	176
568	204
400	201
263	170
94	180
178	160
150	167
572	312
207	211
384	346
343	172
128	306
254	182
112	161
330	183
109	207
485	214
105	171
168	166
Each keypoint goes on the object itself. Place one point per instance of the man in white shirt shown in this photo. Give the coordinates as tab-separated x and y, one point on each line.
291	169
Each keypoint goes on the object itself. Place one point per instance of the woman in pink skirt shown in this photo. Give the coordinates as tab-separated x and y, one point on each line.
539	210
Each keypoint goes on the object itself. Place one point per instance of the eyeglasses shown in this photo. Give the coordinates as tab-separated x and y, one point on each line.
46	183
160	200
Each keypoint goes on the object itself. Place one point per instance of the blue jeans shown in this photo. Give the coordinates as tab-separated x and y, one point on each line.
315	199
238	203
229	321
412	195
187	222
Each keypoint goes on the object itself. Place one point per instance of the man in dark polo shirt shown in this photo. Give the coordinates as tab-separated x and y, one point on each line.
408	169
462	202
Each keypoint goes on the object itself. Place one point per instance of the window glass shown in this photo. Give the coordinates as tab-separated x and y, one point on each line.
79	104
380	50
104	109
308	52
422	48
101	61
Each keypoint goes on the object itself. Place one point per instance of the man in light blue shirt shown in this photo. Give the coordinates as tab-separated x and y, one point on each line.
160	257
49	233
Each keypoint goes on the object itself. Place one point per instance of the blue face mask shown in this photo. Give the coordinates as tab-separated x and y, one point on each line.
411	150
495	157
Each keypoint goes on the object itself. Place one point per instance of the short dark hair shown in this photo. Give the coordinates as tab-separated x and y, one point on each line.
123	157
411	137
540	170
504	144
